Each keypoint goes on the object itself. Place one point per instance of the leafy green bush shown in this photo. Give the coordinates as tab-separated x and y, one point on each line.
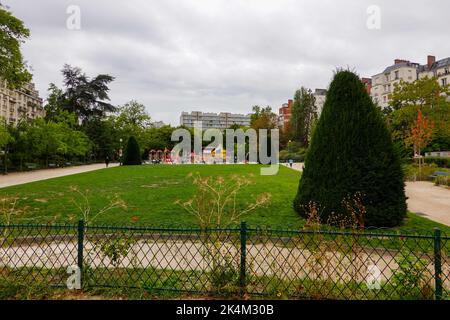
410	279
132	154
413	173
298	156
442	181
352	152
440	162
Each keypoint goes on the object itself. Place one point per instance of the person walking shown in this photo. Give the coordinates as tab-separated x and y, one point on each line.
291	162
107	161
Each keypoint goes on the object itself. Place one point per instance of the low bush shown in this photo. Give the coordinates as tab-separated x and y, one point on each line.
425	173
298	156
440	162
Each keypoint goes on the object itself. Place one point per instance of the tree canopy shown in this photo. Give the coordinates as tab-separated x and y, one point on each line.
303	116
430	98
85	97
12	34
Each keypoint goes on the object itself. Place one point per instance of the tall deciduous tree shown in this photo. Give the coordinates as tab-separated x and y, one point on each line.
428	96
351	153
4	133
12	33
263	118
5	139
420	134
86	98
304	114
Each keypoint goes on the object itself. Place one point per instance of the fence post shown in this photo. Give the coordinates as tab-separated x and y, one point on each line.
80	246
437	264
242	278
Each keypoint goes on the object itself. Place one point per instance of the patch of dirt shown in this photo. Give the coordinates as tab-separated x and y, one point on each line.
41	200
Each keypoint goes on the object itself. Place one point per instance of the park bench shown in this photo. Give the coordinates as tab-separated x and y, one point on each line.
438	174
31	166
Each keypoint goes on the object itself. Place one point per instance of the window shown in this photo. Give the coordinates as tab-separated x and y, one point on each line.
396	75
444	81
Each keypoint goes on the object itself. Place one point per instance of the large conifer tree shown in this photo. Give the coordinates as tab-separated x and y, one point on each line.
351	152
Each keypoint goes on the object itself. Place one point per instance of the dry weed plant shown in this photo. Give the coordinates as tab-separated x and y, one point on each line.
85	207
215	205
334	258
215	201
8	211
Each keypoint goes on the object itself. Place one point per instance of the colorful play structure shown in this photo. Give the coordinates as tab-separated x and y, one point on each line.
160	156
209	155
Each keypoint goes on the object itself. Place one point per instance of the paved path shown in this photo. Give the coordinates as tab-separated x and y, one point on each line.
16	178
429	201
424	198
264	259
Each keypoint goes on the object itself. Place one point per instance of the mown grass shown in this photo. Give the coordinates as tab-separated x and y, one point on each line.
151	191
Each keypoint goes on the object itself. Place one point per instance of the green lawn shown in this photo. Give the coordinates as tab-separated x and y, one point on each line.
151	191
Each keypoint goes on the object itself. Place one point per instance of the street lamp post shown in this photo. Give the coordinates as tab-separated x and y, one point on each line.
5	159
120	152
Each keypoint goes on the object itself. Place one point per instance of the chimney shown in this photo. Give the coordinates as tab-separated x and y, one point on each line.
398	61
431	61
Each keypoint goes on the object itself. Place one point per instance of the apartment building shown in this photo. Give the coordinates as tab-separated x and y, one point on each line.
320	96
222	120
383	84
439	69
23	103
284	115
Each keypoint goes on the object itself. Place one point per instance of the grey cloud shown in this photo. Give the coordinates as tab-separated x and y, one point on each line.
225	55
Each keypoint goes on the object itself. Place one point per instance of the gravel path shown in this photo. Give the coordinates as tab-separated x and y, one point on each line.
263	259
17	178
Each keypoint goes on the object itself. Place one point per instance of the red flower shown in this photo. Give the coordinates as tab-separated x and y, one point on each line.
135	218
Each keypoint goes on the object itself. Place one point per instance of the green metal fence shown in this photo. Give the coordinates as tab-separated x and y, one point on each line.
238	261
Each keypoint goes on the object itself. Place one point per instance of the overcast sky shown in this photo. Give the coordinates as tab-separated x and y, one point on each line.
225	55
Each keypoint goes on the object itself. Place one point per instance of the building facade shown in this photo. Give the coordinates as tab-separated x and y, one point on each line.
19	104
223	120
320	95
368	84
284	115
157	124
439	69
383	84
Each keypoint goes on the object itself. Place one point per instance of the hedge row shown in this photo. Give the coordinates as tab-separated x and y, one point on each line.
440	162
